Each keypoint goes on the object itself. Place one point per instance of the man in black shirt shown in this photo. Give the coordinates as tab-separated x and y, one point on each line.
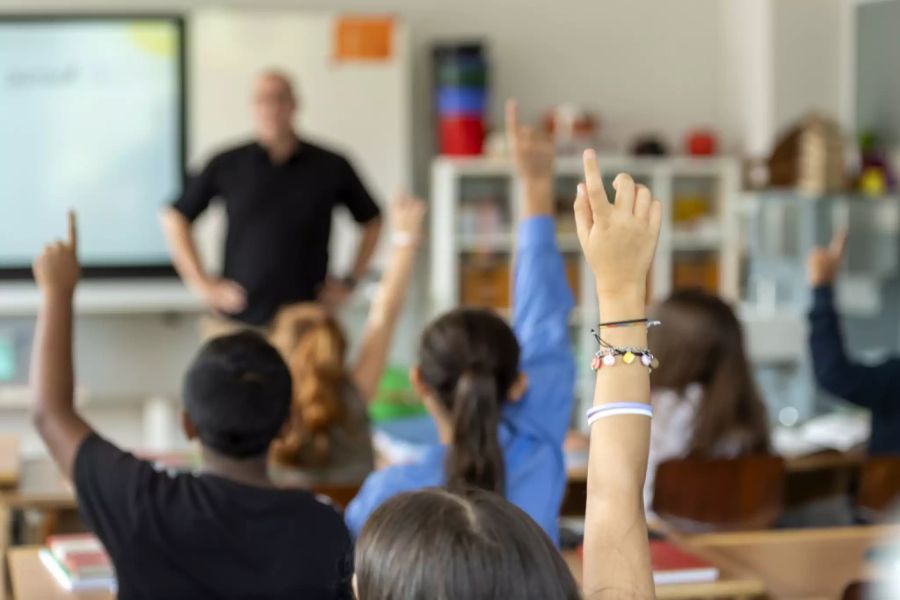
875	387
225	533
279	194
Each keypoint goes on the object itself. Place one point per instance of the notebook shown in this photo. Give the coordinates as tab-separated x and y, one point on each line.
78	562
673	565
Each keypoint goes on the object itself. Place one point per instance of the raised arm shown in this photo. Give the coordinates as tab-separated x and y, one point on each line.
542	299
871	386
56	272
406	222
619	242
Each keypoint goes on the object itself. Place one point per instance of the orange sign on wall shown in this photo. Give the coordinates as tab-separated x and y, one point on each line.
363	38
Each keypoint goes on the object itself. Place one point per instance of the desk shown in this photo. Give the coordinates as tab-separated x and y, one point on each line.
9	460
32	581
799	563
729	584
41	487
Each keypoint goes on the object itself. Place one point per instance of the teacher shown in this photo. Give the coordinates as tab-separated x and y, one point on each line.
279	193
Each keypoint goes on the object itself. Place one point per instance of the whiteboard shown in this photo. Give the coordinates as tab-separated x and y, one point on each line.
361	109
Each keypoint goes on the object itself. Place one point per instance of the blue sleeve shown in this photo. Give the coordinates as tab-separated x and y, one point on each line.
542	302
873	387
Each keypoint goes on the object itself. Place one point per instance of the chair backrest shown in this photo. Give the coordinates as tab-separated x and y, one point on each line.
340	494
879	486
857	590
720	494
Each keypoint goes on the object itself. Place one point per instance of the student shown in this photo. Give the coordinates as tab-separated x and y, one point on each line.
705	401
875	387
328	440
433	544
225	533
501	397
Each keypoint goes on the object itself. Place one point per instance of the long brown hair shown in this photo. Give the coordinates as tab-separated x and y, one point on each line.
314	348
477	546
469	358
701	341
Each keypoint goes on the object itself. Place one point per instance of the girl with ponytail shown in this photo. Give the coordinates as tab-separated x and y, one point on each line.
327	438
501	396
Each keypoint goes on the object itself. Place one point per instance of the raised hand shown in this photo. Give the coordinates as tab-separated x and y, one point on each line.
618	240
532	151
407	215
56	269
823	264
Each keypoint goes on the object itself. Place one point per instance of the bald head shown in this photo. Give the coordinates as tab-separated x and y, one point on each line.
274	105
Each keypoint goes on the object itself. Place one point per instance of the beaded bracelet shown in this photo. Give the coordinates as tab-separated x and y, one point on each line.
606	357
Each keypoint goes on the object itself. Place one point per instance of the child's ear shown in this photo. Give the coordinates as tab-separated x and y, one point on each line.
188	427
518	388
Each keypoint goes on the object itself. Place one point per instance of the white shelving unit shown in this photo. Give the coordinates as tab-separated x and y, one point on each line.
458	182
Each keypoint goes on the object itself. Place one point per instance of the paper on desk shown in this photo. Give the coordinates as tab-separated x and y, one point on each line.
834	431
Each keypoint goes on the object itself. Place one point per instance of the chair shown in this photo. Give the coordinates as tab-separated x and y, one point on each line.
858	590
879	487
340	494
694	495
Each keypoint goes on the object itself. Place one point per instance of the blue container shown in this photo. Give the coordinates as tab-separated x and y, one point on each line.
458	101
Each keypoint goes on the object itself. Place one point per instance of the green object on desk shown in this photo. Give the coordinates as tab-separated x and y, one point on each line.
7	358
395	398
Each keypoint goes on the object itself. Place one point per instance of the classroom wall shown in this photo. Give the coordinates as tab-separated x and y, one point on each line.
643	65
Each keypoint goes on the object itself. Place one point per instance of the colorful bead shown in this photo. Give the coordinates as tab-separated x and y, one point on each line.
628	358
596	363
646	360
609	360
654	364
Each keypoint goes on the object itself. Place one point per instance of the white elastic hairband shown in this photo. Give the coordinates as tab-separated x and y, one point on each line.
644	412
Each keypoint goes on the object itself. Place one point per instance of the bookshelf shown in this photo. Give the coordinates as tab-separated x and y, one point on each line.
474	211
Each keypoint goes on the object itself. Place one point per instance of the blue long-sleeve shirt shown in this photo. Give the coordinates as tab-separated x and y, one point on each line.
876	388
532	430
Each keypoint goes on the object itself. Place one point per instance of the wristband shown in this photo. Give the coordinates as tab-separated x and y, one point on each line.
403	239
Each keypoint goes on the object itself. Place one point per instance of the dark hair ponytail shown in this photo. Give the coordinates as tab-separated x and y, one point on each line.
470	359
475	459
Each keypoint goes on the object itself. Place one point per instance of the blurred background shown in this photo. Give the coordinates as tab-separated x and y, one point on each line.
763	126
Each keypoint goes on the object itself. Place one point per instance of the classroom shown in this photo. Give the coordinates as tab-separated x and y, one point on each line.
483	300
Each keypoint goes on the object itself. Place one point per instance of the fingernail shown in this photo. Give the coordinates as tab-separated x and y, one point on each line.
581	190
589	153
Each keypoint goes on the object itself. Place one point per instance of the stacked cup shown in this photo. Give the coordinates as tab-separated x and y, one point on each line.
461	76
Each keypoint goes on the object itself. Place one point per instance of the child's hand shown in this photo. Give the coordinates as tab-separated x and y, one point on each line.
407	214
532	151
823	263
618	240
56	270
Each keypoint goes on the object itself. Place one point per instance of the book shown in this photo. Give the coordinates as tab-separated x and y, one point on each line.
78	562
673	565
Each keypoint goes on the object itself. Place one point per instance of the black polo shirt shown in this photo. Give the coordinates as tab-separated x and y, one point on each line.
279	219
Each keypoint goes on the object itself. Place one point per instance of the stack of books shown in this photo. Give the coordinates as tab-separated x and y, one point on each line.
672	565
79	562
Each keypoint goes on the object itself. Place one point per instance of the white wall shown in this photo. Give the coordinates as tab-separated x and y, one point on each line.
643	65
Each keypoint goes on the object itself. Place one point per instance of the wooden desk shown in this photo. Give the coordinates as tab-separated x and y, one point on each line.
40	487
729	584
9	460
32	581
801	563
